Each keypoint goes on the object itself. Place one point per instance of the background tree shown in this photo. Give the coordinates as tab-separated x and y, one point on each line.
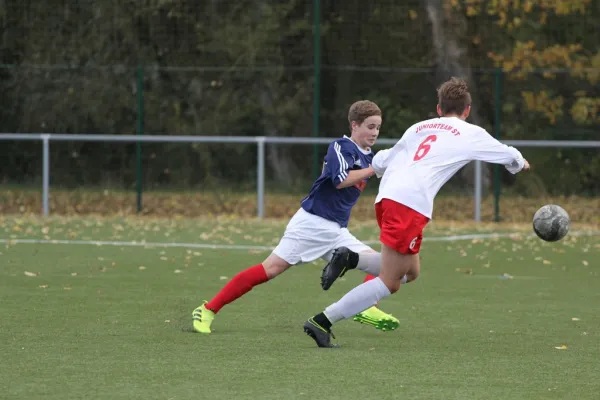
245	68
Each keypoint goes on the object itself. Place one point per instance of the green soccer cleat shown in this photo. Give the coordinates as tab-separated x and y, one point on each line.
202	318
377	318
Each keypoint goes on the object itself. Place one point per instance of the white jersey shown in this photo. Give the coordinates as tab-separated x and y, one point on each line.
429	154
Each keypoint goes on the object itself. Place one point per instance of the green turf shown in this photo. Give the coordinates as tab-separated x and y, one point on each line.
112	322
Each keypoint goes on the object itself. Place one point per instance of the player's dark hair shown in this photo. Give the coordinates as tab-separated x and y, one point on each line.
454	96
362	110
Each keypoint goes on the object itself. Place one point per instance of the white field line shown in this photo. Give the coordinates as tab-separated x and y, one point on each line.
216	246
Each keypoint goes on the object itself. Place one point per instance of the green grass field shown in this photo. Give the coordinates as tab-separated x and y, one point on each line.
112	321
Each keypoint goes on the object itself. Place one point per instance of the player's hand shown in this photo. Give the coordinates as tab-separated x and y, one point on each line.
526	166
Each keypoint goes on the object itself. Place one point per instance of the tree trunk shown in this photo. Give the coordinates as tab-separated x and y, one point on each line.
452	60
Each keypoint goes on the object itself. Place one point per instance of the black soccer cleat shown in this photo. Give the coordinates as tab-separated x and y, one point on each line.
341	261
320	335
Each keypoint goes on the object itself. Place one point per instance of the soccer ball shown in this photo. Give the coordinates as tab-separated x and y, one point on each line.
551	223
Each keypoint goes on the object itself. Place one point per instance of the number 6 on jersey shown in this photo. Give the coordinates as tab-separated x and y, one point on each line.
424	147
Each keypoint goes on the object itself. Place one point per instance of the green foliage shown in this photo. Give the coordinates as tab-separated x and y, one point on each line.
245	68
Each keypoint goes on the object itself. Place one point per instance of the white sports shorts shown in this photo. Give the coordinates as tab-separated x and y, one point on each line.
308	237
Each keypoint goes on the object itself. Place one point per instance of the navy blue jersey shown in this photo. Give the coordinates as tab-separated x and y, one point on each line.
324	200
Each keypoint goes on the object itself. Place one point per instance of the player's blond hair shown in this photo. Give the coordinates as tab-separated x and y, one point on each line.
454	96
361	110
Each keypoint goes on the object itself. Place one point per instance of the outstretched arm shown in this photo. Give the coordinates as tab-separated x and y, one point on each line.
488	149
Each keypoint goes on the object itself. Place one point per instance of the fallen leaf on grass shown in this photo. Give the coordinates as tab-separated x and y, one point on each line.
563	347
177	271
73	273
223	278
506	276
574	319
27	273
467	271
585	263
66	288
43	286
141	268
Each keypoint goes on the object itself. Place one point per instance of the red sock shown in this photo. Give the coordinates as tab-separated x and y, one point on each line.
368	278
241	284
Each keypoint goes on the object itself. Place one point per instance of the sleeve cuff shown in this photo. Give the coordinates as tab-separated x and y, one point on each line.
516	166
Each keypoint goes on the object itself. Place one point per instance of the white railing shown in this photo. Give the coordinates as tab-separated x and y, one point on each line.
260	142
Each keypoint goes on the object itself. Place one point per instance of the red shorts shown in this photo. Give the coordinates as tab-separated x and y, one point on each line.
401	226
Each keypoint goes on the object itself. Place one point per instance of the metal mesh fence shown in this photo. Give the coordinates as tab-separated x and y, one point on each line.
254	68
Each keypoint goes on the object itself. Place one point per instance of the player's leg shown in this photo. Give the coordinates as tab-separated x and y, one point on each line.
306	238
372	316
401	236
412	274
344	259
394	267
283	256
238	286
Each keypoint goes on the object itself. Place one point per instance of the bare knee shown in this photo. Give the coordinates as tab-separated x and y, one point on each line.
411	276
414	272
392	284
394	287
395	266
274	266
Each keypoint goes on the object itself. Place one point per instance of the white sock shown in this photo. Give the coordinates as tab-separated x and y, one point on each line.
357	300
369	263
